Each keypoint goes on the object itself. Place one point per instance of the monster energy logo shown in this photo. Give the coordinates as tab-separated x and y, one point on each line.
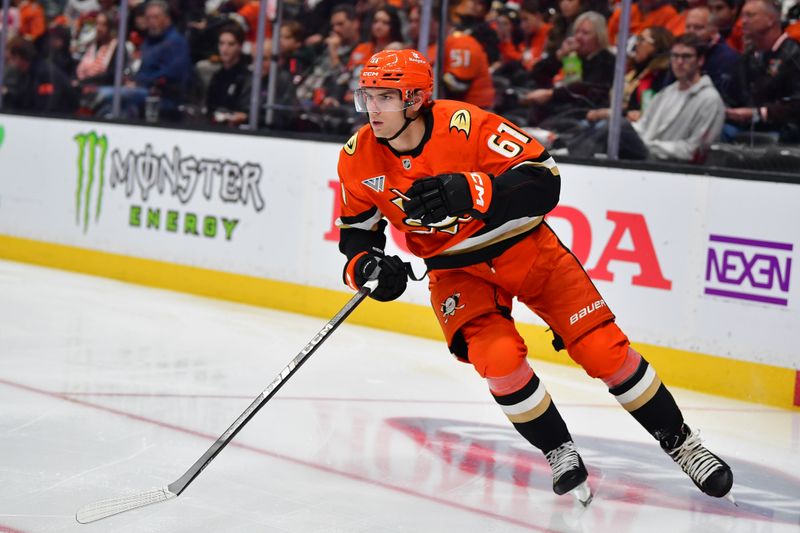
92	150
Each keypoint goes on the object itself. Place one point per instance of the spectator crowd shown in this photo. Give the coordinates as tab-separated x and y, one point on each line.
699	72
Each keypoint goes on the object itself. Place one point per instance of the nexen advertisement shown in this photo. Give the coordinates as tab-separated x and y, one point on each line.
696	263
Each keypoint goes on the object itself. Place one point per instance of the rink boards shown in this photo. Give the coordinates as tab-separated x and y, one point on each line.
700	271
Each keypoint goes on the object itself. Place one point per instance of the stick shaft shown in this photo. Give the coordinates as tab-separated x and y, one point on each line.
179	485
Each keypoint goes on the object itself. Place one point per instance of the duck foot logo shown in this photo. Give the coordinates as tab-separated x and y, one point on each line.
92	151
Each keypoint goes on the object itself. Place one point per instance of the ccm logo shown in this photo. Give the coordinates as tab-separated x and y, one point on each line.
591	308
478	184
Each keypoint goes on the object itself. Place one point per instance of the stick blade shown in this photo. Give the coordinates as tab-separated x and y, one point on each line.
105	508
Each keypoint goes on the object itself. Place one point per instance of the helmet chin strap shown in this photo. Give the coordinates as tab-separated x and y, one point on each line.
407	123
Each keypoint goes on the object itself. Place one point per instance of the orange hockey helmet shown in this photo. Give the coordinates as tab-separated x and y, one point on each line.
406	70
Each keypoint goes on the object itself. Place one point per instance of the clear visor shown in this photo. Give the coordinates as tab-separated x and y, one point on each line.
379	100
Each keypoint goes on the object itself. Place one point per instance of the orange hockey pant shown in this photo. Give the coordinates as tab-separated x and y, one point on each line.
473	305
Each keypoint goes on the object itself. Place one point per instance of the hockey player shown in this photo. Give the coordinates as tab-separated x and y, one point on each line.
469	190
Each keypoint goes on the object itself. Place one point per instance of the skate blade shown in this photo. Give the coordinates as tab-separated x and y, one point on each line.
583	493
730	497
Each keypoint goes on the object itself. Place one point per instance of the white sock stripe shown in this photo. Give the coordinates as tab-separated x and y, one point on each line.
528	403
639	388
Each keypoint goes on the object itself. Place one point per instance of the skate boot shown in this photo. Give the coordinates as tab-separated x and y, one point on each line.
710	473
569	472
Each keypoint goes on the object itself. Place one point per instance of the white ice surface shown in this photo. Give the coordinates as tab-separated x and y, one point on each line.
108	389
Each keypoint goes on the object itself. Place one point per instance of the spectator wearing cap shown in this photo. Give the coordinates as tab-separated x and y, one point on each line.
768	88
721	61
644	13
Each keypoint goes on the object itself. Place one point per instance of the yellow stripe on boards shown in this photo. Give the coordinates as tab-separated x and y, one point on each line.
731	378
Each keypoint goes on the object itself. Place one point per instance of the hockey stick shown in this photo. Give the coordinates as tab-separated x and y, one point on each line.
105	508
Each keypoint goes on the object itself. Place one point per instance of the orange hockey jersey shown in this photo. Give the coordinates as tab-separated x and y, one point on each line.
465	59
459	137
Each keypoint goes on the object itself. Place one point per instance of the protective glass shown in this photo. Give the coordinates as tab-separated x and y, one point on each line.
380	100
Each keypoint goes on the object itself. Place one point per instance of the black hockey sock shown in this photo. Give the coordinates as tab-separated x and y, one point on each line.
649	402
535	416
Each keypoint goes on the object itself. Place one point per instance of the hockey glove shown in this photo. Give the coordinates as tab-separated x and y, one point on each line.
433	200
392	278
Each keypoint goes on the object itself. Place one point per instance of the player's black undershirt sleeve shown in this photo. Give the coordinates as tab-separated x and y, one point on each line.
530	189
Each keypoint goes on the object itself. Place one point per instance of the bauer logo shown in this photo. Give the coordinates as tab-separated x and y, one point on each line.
748	269
92	150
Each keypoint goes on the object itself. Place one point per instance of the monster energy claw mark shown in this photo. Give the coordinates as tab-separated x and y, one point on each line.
88	160
2	134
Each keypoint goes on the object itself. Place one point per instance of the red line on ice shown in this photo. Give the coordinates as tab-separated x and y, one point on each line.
260	451
388	400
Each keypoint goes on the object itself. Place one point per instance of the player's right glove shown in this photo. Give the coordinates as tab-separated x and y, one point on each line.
433	200
392	278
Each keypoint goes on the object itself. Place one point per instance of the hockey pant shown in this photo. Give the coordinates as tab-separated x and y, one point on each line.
473	306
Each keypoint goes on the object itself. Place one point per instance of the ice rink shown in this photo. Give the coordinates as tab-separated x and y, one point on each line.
108	389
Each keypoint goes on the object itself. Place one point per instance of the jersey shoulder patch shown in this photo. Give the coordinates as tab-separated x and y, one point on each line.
461	120
350	146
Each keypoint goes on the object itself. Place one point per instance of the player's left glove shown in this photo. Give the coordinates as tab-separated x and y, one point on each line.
392	277
433	200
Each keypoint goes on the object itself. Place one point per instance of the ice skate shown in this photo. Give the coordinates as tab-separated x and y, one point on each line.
569	472
710	473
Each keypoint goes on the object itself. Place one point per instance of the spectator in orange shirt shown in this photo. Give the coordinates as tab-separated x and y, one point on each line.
536	31
466	73
32	22
644	13
248	10
510	37
725	16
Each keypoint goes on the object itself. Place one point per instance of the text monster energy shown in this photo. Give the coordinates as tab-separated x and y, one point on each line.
92	149
148	176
